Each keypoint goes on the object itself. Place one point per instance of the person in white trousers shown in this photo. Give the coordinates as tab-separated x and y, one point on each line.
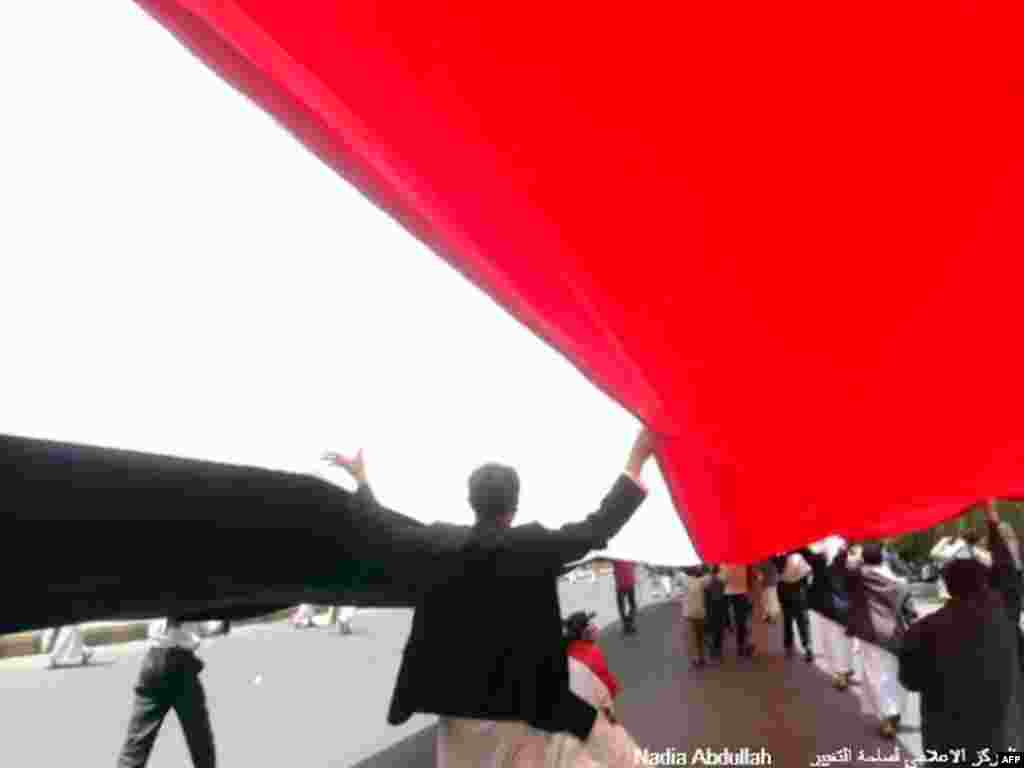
519	746
66	647
838	649
879	602
345	615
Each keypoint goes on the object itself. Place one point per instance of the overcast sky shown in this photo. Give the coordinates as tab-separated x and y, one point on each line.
180	276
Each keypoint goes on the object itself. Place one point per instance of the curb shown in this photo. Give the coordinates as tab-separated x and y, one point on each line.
30	643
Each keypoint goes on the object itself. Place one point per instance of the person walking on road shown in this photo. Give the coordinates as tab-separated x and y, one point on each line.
964	660
625	594
519	677
716	612
737	598
66	647
794	571
169	679
881	609
695	614
344	621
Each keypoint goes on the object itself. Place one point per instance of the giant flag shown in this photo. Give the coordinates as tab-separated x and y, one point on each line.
788	237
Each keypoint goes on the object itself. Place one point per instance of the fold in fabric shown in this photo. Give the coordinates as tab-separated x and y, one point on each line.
798	262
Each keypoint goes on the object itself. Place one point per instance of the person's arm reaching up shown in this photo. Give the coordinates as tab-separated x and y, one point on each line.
1001	555
375	520
573	541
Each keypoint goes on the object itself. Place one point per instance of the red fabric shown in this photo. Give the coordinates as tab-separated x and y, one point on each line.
789	238
625	574
589	654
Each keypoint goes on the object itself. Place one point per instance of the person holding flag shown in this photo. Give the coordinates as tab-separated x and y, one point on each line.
507	575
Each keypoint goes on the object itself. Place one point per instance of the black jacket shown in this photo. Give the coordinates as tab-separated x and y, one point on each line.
1004	576
486	639
827	594
963	660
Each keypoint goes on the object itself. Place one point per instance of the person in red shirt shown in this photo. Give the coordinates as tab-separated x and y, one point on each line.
589	676
625	593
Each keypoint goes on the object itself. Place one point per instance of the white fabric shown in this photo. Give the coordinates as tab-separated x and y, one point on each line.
837	649
185	635
795	569
69	647
49	640
347	613
612	746
832	546
587	685
770	602
466	743
882	682
303	616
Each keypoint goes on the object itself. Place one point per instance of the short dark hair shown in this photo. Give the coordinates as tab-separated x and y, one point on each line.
972	536
872	553
493	492
965	578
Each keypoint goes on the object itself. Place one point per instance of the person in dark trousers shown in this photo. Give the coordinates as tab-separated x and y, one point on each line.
507	577
169	679
625	594
717	612
1005	576
793	573
963	660
737	577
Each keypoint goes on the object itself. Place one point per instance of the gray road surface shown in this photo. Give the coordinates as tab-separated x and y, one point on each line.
282	697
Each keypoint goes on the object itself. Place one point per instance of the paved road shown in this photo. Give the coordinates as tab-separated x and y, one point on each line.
311	698
321	699
784	706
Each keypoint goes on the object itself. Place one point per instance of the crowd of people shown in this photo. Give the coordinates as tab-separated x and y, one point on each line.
964	659
338	617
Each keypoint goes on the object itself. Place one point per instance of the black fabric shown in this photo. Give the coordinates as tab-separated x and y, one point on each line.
793	598
1005	578
828	593
243	541
740	608
964	660
716	612
517	670
169	679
